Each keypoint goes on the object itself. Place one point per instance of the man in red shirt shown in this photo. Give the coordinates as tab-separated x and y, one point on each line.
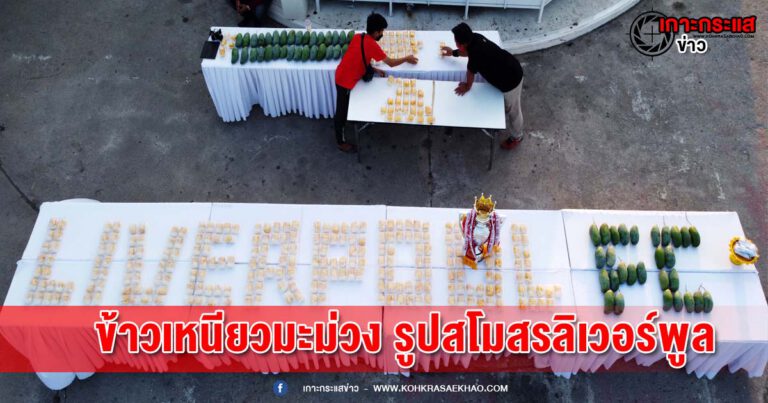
352	68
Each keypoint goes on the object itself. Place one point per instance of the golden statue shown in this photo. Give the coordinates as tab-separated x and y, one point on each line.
480	228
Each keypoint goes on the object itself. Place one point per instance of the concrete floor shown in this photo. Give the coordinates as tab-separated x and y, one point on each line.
106	100
515	26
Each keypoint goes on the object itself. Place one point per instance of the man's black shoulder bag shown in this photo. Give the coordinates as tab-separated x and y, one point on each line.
368	76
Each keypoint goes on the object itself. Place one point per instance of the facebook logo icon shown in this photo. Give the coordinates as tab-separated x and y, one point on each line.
280	388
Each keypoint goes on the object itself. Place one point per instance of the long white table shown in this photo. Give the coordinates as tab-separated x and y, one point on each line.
481	108
308	88
556	240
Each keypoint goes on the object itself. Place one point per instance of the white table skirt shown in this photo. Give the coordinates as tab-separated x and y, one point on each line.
737	347
308	88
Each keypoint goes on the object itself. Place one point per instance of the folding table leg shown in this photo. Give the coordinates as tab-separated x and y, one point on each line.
541	10
357	142
493	150
317	5
466	10
492	135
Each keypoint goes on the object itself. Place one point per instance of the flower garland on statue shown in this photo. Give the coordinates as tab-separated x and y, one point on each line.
488	220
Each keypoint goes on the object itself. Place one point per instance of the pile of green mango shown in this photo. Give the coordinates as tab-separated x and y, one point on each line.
613	234
613	302
611	279
669	281
291	45
693	302
699	301
665	257
611	274
676	236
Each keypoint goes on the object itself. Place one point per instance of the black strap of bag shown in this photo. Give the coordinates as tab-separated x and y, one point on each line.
368	76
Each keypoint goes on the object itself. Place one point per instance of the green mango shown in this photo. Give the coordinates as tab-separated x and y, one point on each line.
299	39
235	55
313	52
685	233
253	55
268	38
605	282
659	256
677	301
320	38
275	38
260	55
283	52
642	274
321	51
329	39
674	280
669	257
305	53
655	236
634	235
261	41
614	277
244	56
608	300
594	234
246	40
336	52
708	302
688	301
313	39
631	274
677	238
663	279
335	38
618	303
667	298
289	54
291	40
623	234
268	53
698	301
610	256
307	38
623	272
350	35
695	237
615	238
283	38
665	236
605	234
600	257
239	41
329	53
344	49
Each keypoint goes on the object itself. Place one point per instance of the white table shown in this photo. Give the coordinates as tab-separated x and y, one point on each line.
308	88
740	314
716	229
740	317
481	108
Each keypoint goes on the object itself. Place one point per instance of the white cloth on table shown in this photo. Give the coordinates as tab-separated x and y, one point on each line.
281	87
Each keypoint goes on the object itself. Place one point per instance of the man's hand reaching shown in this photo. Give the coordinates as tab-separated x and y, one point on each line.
462	89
